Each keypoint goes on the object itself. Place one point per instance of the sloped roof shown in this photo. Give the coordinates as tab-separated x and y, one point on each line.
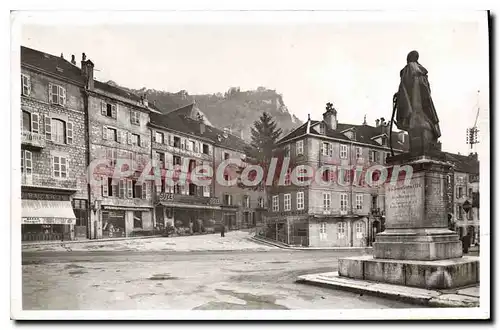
178	121
463	163
51	63
61	67
364	134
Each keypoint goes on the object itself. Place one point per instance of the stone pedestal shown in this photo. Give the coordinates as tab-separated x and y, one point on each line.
417	248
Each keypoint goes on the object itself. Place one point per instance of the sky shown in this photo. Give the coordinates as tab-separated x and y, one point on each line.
354	64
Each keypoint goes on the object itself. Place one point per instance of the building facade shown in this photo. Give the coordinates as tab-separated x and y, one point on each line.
346	212
53	153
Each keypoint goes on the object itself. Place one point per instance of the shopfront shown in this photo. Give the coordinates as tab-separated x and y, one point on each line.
46	217
113	223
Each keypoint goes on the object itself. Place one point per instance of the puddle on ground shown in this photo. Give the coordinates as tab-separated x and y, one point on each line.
252	302
162	277
78	272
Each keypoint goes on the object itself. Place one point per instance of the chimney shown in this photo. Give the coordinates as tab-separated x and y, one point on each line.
439	145
73	61
62	55
401	137
145	100
330	116
88	72
226	132
242	134
202	124
473	155
377	122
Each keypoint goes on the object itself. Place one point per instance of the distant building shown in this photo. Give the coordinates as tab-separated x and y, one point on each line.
339	215
464	181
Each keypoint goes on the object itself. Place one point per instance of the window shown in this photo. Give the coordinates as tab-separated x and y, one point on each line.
227	199
177	160
261	202
111	134
358	152
326	175
299	147
359	229
327	201
226	156
325	147
276	206
302	174
459	212
25	85
60	166
108	109
58	131
359	202
160	159
287	150
343	151
470	192
322	228
374	202
300	200
57	94
343	202
136	140
341	229
177	142
138	219
459	192
206	191
159	138
26	121
246	201
26	162
287	202
373	156
206	149
193	189
135	117
321	128
387	155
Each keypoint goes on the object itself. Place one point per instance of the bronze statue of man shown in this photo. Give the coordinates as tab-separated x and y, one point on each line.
415	112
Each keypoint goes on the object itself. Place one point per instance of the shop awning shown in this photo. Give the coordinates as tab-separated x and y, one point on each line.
190	206
47	212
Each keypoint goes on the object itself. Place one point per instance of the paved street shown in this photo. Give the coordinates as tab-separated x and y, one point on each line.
184	280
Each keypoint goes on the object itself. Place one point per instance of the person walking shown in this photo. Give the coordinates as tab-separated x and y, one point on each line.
466	243
222	230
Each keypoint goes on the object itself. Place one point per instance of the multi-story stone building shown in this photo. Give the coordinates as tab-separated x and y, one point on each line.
343	213
464	180
53	148
119	132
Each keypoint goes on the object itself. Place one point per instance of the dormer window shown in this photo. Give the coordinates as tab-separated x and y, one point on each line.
321	128
383	140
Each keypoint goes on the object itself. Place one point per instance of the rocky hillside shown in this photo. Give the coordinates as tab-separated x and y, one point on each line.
235	109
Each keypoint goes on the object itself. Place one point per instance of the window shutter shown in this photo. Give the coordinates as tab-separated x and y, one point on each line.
132	117
50	93
210	150
62	99
113	111
170	139
169	160
330	149
129	138
48	127
121	188
103	108
196	147
114	189
28	162
183	189
129	188
69	133
105	191
104	133
35	122
183	144
143	190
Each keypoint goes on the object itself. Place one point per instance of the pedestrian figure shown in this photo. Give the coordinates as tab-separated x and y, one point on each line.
466	243
222	230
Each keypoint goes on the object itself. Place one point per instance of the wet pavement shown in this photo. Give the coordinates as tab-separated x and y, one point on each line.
185	280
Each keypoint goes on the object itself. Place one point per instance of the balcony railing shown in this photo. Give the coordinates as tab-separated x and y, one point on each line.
38	180
32	139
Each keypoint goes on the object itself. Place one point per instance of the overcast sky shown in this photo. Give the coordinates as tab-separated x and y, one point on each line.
355	65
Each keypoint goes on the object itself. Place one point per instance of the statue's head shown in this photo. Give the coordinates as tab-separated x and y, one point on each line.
412	56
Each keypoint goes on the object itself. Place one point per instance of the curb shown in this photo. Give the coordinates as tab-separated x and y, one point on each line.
287	247
90	241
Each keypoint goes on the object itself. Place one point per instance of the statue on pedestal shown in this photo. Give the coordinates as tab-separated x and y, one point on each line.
414	109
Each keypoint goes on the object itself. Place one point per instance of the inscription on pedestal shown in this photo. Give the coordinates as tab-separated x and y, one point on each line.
404	204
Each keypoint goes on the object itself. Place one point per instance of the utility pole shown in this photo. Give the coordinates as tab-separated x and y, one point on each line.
471	133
